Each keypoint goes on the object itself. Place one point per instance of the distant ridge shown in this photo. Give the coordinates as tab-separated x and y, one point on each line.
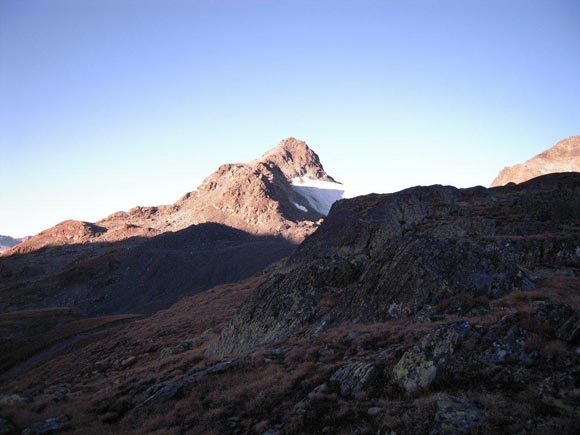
562	157
8	242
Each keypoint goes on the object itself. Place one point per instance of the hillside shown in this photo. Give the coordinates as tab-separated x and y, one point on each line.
431	310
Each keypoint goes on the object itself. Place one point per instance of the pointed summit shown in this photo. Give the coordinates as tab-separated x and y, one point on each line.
295	158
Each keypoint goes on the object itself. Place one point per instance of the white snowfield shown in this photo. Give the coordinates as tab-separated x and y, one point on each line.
319	194
300	207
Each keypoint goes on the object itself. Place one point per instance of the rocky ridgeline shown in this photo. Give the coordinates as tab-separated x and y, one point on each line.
381	257
255	197
562	157
241	219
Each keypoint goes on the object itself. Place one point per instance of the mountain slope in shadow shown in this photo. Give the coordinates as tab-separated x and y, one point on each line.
137	275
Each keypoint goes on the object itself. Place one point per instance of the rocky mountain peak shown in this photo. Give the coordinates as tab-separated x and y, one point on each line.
284	193
296	159
562	157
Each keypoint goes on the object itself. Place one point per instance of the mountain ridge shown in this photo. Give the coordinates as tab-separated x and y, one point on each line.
564	156
257	197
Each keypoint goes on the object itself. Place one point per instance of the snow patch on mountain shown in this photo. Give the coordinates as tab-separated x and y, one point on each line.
300	207
319	194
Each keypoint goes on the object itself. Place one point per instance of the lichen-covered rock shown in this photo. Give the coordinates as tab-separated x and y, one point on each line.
570	331
456	415
562	391
419	366
50	425
6	427
354	377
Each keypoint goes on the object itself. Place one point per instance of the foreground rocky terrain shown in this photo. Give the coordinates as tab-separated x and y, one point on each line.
562	157
432	310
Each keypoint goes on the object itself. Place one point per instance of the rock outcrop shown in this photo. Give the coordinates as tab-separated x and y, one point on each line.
419	366
562	157
381	257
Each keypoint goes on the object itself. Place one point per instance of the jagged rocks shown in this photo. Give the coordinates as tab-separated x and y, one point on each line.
163	392
570	331
354	377
456	415
50	425
419	366
562	391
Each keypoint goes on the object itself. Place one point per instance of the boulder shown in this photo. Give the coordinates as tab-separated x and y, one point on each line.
456	415
354	377
419	366
162	392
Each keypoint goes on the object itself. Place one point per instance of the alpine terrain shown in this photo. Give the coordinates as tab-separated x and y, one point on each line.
263	303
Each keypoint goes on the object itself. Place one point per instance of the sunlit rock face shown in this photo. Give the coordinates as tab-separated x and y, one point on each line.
562	157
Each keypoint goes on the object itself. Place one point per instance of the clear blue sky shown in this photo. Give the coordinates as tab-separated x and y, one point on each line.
108	104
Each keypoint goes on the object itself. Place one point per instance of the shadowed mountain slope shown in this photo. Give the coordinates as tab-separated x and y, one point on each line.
136	275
